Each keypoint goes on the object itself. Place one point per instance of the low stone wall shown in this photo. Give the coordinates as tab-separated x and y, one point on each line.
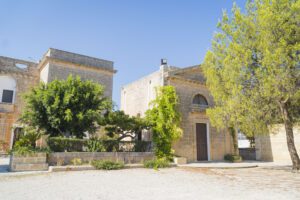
65	158
33	162
247	153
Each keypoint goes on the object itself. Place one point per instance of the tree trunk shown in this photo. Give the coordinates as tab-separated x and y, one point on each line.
234	135
290	136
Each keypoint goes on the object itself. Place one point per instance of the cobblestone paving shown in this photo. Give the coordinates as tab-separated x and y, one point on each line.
174	183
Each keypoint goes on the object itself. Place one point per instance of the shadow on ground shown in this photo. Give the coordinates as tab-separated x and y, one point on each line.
4	162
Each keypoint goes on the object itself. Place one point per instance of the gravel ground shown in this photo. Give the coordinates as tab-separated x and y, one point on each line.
173	183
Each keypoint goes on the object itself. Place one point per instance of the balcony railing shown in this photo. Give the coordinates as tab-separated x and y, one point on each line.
7	107
198	108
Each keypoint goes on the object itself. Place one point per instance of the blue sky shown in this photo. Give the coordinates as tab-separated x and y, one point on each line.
135	34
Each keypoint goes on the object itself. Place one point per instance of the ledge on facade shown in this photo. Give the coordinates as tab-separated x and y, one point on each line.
198	108
6	107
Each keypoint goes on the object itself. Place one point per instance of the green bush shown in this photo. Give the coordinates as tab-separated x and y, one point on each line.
27	150
157	163
61	144
107	164
232	158
76	161
95	145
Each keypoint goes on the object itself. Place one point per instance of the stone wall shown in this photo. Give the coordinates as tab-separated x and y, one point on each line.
34	162
58	64
136	96
273	147
220	143
58	70
25	78
126	157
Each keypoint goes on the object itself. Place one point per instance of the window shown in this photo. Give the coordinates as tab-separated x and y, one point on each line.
200	100
7	96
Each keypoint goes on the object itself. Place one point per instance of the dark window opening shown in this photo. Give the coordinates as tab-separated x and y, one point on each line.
200	100
7	96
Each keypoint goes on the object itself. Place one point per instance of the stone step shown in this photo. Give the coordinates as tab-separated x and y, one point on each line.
29	167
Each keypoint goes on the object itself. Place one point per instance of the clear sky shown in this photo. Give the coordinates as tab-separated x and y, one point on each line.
135	34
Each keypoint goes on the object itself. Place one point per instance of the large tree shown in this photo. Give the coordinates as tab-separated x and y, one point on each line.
164	119
252	69
65	107
119	125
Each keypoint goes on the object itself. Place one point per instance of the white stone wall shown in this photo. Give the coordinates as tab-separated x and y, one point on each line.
44	73
273	147
7	83
136	96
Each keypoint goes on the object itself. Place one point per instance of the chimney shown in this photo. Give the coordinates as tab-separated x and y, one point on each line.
163	63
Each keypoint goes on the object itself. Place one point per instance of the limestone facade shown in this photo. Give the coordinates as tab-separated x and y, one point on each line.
273	146
20	76
188	82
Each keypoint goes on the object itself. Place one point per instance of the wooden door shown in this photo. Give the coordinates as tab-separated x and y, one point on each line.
201	140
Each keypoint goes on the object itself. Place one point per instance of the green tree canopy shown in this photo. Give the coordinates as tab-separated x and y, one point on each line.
164	119
252	69
120	125
65	107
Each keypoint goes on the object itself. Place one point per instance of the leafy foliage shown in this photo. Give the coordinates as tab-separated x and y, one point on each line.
164	119
76	161
61	144
157	163
252	69
65	107
233	158
119	125
27	142
107	164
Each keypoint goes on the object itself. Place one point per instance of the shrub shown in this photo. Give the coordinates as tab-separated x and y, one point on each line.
95	145
76	161
61	144
107	164
232	158
157	163
27	150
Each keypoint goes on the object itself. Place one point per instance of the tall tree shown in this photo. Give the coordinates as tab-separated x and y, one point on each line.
164	119
252	69
65	107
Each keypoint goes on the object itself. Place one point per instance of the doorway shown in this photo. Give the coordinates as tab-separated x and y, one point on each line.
201	142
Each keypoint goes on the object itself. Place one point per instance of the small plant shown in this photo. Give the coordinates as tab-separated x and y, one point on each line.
233	158
107	164
76	161
60	162
95	145
157	163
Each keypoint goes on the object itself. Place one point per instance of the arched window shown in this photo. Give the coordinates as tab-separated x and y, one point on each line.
200	100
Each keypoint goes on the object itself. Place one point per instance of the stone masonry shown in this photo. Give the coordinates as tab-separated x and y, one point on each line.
55	64
188	82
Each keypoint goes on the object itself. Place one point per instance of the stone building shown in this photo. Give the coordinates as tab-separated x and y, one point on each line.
273	146
18	76
200	141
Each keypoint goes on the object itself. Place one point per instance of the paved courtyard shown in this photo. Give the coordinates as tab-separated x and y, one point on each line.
173	183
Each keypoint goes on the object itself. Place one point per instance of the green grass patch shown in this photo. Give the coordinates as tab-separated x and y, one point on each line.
107	164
